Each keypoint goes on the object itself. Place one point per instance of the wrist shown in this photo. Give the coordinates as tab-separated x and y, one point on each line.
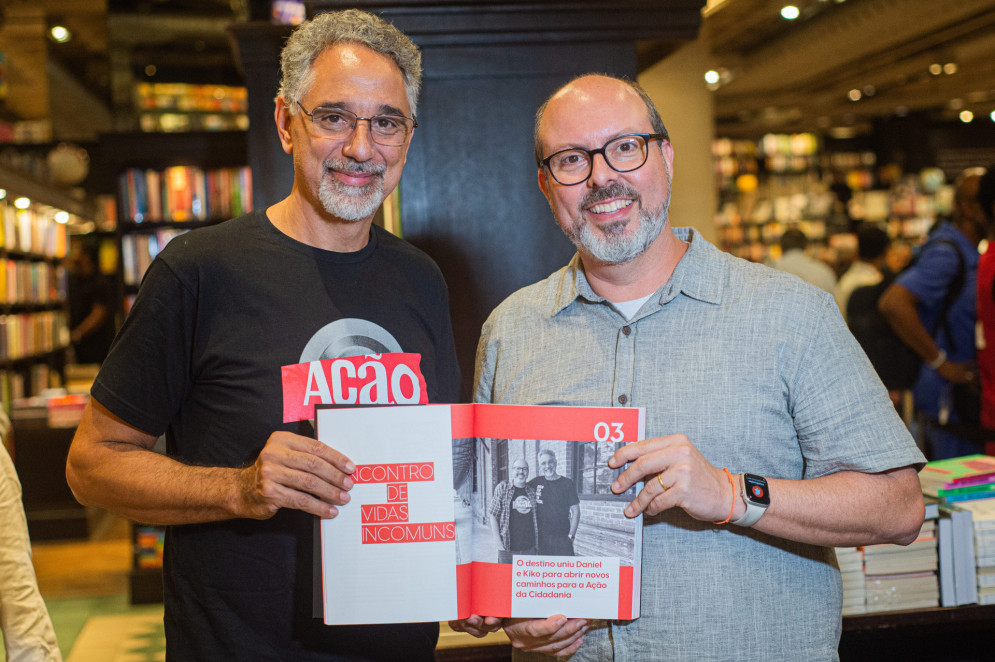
940	359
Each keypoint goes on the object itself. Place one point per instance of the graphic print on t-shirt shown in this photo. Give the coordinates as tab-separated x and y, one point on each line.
351	362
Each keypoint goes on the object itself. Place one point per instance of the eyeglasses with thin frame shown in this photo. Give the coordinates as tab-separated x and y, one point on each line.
573	166
338	123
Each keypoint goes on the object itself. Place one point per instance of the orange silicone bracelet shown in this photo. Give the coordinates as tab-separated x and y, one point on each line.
733	508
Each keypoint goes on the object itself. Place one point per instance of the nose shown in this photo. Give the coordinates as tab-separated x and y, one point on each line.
601	172
359	145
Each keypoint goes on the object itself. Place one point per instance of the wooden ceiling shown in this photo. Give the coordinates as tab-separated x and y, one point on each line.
788	76
778	75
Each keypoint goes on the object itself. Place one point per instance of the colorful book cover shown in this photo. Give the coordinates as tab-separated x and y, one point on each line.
970	473
444	496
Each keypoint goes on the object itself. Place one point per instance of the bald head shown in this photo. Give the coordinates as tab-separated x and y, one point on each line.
591	91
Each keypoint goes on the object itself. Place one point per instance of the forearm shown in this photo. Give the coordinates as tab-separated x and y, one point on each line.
112	465
91	322
845	509
898	306
148	487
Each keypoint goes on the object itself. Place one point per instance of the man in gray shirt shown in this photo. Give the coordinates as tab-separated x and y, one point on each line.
770	439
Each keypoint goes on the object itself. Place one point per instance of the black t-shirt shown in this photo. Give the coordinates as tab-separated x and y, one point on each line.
199	357
554	498
521	523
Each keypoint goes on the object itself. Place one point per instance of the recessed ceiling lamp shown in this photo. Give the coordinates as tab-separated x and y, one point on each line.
789	12
22	203
966	116
992	116
3	191
854	95
870	90
62	217
936	68
711	77
950	68
60	34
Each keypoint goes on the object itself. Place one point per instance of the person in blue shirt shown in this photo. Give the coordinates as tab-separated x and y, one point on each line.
931	307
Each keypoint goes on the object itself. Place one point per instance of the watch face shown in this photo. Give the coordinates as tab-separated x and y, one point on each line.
756	489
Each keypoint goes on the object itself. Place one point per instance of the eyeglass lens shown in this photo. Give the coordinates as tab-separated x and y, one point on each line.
622	154
338	123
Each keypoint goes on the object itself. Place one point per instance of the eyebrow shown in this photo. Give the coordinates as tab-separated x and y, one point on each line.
384	109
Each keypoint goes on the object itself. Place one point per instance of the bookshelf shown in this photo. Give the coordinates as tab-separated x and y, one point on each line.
33	284
167	184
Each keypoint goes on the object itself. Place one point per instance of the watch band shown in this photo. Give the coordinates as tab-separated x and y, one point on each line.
754	508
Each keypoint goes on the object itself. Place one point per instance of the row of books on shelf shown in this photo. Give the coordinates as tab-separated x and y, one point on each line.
184	193
139	249
17	385
30	334
24	282
33	230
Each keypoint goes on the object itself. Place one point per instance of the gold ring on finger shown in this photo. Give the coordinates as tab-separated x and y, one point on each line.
659	479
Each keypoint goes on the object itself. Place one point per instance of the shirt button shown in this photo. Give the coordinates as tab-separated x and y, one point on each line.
626	330
622	399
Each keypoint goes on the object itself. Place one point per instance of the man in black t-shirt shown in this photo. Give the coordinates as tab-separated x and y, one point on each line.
513	514
226	316
559	508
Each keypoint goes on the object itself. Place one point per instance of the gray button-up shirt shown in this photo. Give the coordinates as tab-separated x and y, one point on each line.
758	369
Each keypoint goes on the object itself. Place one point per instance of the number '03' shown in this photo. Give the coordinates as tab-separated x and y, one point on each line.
608	432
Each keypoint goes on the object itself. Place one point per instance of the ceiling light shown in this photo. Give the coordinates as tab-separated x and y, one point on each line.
3	191
870	90
936	69
22	203
854	95
150	70
966	116
789	12
711	77
950	68
60	34
992	116
62	217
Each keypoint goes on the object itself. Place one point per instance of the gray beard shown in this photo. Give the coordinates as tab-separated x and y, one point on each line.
352	203
610	244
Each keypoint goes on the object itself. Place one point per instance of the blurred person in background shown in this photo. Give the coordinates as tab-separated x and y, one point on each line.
868	268
986	310
795	261
931	307
27	629
91	305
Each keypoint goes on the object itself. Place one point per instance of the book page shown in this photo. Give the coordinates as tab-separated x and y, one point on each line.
390	554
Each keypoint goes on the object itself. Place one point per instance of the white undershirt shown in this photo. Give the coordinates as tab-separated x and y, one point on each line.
630	308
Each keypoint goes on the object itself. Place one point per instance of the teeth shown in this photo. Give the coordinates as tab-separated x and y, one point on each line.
610	207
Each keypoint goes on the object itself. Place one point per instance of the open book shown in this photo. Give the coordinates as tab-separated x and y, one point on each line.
469	509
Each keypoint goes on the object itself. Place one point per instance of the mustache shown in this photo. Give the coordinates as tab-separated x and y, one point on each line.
364	168
613	190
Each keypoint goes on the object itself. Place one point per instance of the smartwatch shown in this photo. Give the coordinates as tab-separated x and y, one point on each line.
753	489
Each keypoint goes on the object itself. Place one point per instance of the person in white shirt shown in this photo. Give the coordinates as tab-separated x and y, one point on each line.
795	261
872	248
27	629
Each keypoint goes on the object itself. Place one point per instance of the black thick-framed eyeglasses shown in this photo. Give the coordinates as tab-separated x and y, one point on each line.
337	123
573	166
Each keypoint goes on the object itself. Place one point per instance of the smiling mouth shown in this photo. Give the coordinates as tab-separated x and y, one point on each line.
610	207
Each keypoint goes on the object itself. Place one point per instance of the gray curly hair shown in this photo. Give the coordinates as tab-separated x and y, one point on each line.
312	37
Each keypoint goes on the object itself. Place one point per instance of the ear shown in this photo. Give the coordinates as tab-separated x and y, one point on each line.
283	119
667	151
543	182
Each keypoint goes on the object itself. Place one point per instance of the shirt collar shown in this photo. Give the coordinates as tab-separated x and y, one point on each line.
701	275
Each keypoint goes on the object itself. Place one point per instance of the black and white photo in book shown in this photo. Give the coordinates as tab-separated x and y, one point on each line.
538	497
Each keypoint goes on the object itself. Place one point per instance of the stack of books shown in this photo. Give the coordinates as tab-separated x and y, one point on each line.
959	479
982	513
903	577
851	563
